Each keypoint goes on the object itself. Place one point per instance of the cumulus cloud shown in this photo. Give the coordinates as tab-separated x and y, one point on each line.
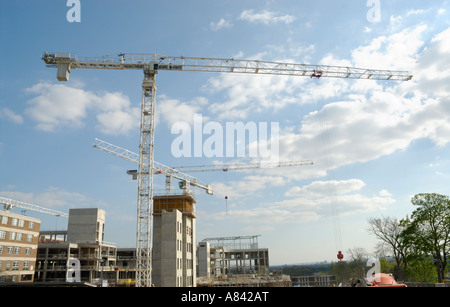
397	51
354	121
52	197
318	188
11	115
312	202
171	111
251	94
247	186
221	24
265	17
54	106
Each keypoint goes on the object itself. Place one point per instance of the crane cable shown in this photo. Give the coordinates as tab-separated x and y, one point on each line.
226	191
328	153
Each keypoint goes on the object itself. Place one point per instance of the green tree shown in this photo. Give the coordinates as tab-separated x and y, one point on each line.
429	229
422	269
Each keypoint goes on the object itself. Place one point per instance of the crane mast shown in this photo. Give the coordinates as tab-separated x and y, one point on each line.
150	64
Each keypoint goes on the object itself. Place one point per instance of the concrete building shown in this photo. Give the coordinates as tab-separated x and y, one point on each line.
86	225
174	253
81	246
18	247
204	259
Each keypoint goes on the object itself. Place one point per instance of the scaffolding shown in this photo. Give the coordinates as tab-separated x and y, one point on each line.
237	242
237	255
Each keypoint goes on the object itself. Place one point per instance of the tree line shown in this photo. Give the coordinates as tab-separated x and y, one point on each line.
419	244
415	248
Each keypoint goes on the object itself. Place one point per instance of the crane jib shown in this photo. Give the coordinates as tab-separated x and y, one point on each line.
66	61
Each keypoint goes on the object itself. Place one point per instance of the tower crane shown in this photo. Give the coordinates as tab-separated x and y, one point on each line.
8	204
158	168
187	179
151	64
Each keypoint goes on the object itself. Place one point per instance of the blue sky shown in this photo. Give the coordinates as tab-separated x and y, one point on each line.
379	144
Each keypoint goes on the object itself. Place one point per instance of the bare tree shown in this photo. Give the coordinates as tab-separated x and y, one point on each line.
389	231
358	257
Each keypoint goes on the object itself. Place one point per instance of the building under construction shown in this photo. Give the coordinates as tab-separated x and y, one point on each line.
236	262
174	251
235	255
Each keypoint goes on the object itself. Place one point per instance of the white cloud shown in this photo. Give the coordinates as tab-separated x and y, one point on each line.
11	115
221	24
369	119
318	188
56	106
265	17
52	197
251	94
247	186
312	202
397	51
173	110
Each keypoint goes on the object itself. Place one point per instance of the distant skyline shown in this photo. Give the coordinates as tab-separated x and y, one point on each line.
374	144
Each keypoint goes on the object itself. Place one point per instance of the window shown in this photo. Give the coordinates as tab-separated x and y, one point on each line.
21	223
4	220
14	222
17	250
26	265
28	251
31	225
29	238
15	266
19	236
1	251
2	234
12	235
9	250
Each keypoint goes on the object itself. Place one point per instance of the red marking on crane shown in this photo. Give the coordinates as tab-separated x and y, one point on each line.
316	74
